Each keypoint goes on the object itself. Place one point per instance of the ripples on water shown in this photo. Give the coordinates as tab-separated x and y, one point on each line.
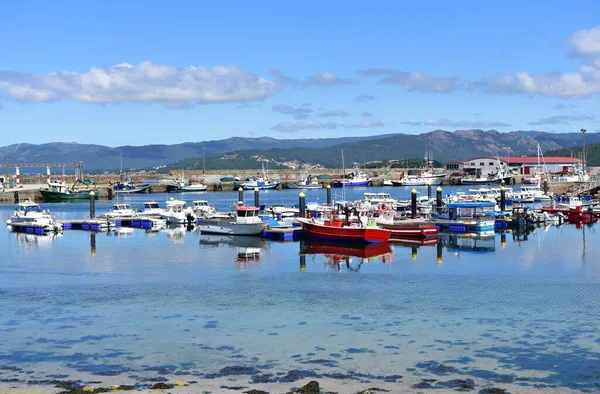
506	311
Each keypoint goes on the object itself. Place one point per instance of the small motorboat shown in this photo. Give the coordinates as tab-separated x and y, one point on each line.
177	212
120	210
29	217
245	221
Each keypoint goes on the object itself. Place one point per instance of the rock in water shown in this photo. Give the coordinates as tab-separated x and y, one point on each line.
311	387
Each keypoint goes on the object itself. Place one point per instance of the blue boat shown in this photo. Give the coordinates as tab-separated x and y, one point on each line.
464	217
130	188
357	179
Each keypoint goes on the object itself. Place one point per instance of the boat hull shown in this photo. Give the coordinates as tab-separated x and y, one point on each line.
293	185
252	187
141	189
186	189
419	181
351	183
347	234
51	196
411	230
231	228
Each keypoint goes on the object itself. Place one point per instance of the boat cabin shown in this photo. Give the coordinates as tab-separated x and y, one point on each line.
246	214
176	206
468	210
26	208
150	205
122	207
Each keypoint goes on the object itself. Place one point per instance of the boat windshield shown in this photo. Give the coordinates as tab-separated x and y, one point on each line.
201	203
30	208
151	205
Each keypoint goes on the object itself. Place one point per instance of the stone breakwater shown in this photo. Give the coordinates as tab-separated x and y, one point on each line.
30	191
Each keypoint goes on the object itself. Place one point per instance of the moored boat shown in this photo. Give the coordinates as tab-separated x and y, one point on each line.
177	212
335	229
130	188
29	216
245	222
57	191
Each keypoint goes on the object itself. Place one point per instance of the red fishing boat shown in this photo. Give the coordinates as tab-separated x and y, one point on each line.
337	230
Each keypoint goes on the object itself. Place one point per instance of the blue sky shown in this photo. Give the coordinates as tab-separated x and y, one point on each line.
136	73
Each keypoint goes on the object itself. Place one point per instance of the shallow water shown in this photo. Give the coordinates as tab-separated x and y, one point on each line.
510	310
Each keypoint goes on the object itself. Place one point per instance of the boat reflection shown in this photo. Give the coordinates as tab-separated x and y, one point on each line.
481	242
248	248
34	241
340	255
176	232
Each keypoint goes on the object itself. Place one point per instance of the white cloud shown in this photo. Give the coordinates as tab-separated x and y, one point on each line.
142	83
583	82
298	112
367	124
475	124
292	127
335	112
560	119
1	107
414	81
585	42
363	97
367	114
325	79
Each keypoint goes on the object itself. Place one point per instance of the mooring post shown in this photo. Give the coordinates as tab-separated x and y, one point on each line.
413	203
92	204
256	199
328	194
502	198
302	204
428	190
241	194
438	197
440	249
93	243
546	187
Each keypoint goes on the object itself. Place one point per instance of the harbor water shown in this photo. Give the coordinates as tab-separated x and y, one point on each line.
508	311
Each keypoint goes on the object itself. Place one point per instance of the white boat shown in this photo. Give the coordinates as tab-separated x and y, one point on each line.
245	222
177	212
120	210
185	185
30	214
308	183
202	208
282	210
151	210
387	182
421	178
376	200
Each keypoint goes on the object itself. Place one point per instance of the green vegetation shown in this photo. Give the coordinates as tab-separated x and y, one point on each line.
593	153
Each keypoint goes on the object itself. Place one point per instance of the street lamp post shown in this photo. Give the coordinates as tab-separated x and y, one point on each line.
203	160
583	152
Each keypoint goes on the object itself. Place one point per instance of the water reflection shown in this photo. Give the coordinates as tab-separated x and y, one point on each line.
248	248
483	242
34	241
177	232
349	256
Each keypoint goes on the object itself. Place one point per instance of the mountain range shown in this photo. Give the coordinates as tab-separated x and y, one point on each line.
240	152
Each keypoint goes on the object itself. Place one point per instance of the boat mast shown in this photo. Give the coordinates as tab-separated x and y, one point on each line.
343	177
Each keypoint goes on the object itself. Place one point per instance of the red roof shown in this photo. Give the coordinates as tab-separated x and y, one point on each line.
545	160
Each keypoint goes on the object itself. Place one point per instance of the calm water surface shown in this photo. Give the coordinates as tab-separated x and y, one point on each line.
510	310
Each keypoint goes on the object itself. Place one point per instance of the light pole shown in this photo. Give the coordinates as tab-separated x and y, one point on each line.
583	153
203	160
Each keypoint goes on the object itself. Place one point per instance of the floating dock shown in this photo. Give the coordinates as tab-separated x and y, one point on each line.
104	224
282	233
